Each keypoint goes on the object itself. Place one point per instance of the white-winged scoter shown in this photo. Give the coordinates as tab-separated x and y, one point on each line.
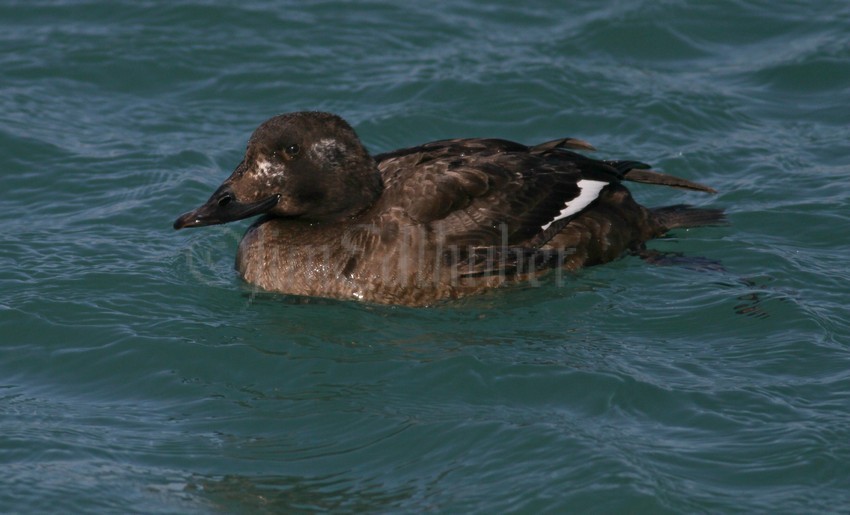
423	224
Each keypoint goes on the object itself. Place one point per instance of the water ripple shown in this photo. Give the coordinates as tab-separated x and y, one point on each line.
141	374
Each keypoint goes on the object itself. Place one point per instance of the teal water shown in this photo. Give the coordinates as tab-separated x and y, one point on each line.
138	374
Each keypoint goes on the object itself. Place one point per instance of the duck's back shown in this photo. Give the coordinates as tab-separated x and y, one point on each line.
486	192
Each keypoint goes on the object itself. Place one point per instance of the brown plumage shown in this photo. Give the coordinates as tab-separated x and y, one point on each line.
423	224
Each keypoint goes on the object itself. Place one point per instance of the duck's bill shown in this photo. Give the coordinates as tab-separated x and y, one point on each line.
223	208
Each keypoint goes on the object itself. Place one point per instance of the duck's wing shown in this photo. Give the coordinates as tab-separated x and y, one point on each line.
487	198
490	192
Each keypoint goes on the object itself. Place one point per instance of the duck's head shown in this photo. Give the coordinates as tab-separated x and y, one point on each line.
308	165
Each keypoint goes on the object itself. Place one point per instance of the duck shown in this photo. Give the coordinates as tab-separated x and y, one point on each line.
429	223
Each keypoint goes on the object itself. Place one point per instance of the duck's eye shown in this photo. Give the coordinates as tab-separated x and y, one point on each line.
292	150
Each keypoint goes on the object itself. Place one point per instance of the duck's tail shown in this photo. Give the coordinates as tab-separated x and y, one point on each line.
639	172
681	215
671	217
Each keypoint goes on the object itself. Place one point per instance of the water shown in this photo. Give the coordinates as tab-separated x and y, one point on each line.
138	374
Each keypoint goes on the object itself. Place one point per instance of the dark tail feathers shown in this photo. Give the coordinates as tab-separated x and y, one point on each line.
653	177
681	215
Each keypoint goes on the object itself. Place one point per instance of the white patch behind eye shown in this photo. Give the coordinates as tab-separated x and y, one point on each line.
327	148
588	192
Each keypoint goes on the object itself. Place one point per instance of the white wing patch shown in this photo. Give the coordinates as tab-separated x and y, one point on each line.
588	192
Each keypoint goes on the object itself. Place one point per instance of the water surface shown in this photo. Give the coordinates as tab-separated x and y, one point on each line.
138	374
